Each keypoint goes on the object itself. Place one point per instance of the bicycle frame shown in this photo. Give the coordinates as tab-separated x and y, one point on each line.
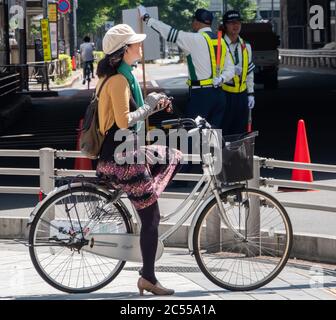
208	192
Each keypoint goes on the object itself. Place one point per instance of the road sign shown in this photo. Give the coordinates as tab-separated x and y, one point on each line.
63	6
109	25
152	42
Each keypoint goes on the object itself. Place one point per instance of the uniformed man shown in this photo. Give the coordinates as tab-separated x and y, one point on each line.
207	99
240	90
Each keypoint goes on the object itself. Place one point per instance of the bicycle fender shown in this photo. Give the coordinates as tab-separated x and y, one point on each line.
57	190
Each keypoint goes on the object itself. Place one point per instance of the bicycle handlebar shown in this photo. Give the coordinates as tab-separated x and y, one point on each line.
199	122
179	122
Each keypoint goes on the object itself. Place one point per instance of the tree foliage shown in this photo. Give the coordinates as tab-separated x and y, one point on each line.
247	8
92	15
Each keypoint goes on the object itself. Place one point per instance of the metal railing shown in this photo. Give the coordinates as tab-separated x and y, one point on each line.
47	171
35	73
9	82
308	58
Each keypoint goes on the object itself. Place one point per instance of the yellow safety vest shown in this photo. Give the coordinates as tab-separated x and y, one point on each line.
211	44
239	82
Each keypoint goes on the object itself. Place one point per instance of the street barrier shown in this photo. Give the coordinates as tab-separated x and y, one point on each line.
47	172
307	246
34	73
319	58
9	82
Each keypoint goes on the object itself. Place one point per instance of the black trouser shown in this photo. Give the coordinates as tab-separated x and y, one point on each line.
150	219
90	63
209	103
236	113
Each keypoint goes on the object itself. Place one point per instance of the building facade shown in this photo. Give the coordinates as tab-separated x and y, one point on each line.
20	31
296	29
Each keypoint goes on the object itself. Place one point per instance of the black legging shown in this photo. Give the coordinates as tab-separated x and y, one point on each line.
150	219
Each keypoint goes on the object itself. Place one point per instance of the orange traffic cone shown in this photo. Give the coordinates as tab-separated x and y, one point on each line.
82	163
73	62
302	155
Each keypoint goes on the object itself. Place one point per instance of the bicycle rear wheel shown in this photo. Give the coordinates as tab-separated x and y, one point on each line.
256	252
60	234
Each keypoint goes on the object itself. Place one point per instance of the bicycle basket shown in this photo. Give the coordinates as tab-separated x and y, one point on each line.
237	158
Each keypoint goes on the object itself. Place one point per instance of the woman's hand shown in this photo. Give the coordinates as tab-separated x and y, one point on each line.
158	102
165	103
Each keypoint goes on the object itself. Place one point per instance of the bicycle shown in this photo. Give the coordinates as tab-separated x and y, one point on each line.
82	234
87	74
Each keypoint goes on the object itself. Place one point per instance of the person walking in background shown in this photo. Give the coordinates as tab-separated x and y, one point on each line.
121	106
86	52
240	90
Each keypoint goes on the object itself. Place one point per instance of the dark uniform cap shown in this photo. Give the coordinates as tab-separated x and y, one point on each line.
231	15
203	15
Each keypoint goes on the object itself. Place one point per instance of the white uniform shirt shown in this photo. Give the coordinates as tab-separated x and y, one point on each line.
86	51
250	75
194	44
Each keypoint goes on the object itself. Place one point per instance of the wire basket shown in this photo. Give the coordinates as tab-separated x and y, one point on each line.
237	158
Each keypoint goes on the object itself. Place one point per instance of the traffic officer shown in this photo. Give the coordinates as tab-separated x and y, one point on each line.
207	99
240	90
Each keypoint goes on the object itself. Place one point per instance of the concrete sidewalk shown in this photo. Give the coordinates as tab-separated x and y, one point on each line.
300	280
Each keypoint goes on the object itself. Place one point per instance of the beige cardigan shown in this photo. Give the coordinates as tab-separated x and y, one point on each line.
113	105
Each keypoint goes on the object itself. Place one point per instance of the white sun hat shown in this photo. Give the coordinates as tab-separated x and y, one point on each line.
119	36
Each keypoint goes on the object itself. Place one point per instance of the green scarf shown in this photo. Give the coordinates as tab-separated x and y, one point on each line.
126	71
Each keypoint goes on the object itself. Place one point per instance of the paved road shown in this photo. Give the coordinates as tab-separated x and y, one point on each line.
176	269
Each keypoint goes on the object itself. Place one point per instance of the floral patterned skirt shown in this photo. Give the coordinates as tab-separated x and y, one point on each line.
144	182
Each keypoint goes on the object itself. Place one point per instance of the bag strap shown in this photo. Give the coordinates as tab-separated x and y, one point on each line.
101	87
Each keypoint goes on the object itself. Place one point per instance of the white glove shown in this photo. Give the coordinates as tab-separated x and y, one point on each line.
142	11
153	100
251	102
238	70
218	81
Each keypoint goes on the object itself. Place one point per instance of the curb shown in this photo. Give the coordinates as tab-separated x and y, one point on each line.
68	84
309	247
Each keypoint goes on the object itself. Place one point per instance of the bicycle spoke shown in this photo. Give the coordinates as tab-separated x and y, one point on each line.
58	242
255	257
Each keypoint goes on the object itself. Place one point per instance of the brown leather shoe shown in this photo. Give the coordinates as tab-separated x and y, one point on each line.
156	289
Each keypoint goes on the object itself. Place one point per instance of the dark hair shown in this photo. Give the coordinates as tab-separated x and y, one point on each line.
86	39
109	65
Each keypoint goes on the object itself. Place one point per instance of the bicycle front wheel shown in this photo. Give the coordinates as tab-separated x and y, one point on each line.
59	236
248	250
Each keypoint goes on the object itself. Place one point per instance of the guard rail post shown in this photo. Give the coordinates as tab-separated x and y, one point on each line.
47	167
253	221
47	183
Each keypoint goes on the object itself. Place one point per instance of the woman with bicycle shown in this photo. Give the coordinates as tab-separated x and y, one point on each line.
121	107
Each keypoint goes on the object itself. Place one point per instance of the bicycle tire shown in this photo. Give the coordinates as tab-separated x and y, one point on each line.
124	214
207	271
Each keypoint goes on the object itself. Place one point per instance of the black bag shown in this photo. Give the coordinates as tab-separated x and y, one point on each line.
91	139
237	158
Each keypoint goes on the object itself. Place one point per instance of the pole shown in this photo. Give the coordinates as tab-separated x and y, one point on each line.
23	48
249	122
258	10
225	6
219	47
6	26
143	70
75	25
45	8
